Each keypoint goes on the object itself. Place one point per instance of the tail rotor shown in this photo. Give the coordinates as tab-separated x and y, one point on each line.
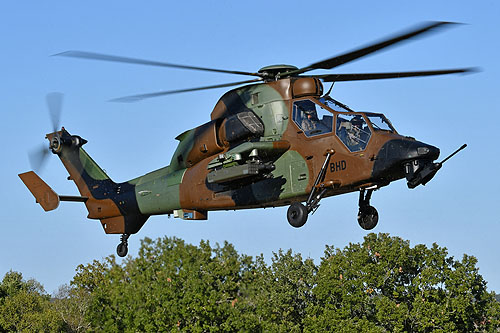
38	156
54	104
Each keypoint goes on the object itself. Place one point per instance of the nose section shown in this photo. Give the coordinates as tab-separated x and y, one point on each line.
427	152
402	150
394	154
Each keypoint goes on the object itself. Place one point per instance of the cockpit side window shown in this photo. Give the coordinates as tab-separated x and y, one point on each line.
311	118
353	131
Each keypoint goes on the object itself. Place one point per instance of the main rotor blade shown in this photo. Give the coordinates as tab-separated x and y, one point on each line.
135	98
363	51
105	57
54	104
394	75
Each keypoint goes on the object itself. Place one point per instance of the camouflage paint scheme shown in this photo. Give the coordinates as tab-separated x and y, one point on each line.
183	188
264	146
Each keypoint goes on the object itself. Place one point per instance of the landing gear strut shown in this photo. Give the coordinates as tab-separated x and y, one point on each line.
297	212
122	248
367	215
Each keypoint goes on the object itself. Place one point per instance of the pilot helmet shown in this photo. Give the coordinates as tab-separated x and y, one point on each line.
357	121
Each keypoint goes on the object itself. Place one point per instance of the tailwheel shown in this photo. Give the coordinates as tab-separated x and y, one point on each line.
367	217
122	248
297	214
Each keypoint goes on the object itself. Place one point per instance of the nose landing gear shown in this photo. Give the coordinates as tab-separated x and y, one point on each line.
122	248
367	215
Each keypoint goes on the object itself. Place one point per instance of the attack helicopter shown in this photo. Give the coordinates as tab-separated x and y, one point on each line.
275	140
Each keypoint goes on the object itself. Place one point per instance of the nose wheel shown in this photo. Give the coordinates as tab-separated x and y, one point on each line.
367	215
122	248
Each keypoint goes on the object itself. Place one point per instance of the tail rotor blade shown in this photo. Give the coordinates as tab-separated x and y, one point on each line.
54	103
38	157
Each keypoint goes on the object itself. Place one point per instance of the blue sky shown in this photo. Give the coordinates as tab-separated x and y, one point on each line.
456	210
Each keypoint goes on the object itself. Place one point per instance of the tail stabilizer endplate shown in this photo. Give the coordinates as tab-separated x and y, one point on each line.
44	195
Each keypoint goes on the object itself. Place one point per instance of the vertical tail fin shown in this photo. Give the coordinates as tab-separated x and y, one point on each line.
113	203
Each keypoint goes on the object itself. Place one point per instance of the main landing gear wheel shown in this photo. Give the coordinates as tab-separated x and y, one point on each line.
297	214
122	248
368	217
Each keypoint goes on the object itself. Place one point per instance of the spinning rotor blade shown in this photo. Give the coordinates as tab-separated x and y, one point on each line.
54	104
135	98
105	57
38	156
394	75
361	52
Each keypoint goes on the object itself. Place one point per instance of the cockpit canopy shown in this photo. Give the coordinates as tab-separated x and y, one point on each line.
354	129
312	118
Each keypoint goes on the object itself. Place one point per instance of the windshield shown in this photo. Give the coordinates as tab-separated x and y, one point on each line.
335	105
380	122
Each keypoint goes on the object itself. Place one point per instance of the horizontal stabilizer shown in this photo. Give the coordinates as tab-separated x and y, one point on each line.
44	195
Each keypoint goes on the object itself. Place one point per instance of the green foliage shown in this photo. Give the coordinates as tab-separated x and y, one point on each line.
381	285
279	294
169	285
24	306
385	285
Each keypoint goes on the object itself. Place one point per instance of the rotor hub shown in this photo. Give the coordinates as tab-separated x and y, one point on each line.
56	144
275	70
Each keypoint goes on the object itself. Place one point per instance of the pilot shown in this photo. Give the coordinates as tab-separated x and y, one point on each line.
309	120
357	122
355	133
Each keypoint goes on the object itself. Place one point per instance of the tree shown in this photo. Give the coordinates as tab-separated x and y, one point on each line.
24	306
72	304
385	285
169	285
278	295
380	285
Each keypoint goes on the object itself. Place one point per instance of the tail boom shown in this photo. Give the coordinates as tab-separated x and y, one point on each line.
114	204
